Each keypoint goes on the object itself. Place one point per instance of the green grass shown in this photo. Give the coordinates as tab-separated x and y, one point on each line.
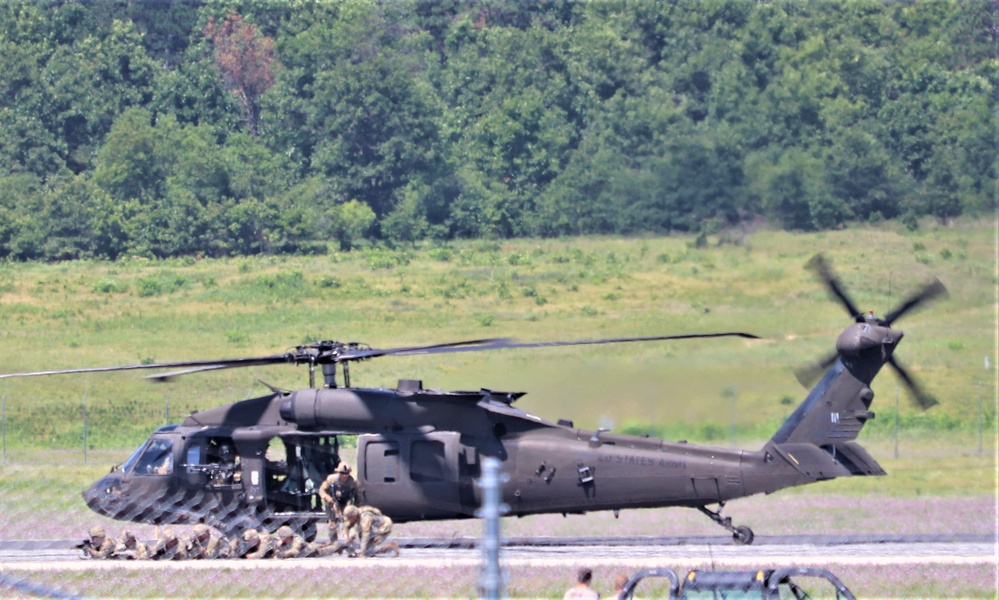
97	313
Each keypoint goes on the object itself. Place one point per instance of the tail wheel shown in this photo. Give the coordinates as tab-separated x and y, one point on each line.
743	535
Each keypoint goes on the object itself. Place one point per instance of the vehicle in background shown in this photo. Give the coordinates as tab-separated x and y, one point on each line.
795	583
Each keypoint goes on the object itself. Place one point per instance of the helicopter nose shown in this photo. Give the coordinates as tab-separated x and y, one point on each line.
104	496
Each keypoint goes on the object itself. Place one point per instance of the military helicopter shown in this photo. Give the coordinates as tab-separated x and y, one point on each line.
419	450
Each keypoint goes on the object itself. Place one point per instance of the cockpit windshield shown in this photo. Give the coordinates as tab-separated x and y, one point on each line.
157	459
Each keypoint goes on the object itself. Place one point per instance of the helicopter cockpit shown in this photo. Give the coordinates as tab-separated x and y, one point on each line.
156	459
153	457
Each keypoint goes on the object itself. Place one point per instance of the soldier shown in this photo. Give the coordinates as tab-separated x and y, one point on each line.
206	545
129	548
169	547
368	528
99	545
334	547
255	544
338	491
288	544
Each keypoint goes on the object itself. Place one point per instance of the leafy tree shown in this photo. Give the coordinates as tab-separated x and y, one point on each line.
352	220
246	60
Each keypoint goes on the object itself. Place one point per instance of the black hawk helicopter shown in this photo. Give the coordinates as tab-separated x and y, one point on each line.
419	450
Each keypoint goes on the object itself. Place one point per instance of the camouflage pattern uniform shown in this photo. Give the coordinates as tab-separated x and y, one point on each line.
101	546
253	545
206	545
129	548
338	491
368	528
169	547
317	549
288	544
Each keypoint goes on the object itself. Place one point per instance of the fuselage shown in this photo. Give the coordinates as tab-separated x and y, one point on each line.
418	457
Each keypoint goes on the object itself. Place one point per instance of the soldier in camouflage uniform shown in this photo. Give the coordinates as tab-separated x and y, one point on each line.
338	491
100	545
169	547
206	545
368	528
255	544
129	548
288	544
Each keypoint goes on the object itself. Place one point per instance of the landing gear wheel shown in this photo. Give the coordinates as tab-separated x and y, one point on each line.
743	535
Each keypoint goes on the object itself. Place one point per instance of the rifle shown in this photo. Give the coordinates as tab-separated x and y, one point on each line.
84	547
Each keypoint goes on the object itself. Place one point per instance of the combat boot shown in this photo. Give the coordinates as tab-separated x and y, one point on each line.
391	547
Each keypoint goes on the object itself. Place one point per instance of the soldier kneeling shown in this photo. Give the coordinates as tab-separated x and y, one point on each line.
368	528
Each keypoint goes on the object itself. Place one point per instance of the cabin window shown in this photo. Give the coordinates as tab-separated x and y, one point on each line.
157	459
427	461
381	460
194	454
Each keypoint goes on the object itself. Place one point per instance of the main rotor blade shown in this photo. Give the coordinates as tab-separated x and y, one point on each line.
508	344
923	399
335	352
820	266
350	354
930	291
211	364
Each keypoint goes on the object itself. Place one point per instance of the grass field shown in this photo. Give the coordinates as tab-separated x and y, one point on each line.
724	391
83	314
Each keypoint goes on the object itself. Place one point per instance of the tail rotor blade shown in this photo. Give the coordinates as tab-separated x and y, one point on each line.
820	266
922	398
930	291
809	374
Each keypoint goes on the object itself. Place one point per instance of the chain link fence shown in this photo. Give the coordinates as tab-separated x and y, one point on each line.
43	517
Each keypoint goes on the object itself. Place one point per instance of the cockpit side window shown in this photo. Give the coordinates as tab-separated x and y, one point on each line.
127	465
157	459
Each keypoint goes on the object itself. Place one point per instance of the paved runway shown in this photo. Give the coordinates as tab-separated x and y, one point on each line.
632	553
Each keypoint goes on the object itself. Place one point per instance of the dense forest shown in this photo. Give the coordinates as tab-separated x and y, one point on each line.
218	127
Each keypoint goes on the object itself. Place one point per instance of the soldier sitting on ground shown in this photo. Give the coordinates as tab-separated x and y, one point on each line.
169	547
368	528
130	548
288	543
99	545
206	545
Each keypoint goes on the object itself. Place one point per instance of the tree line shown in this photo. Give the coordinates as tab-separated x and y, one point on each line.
222	127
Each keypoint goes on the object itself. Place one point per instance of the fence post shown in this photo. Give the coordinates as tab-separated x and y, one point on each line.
84	427
491	578
896	421
3	425
981	418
